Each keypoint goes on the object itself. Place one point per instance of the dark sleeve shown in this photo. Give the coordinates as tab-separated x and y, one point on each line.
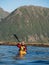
18	45
25	48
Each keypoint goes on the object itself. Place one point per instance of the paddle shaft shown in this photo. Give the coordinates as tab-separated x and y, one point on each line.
16	37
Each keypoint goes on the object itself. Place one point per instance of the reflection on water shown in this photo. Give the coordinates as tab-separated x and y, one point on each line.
34	56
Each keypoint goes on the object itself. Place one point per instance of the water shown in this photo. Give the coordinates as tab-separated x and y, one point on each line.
34	56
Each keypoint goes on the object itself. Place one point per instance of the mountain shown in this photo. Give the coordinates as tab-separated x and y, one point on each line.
3	14
29	23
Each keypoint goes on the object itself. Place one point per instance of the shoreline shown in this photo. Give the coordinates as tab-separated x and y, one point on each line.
28	44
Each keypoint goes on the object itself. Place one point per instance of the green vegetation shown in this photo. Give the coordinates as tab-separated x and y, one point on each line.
29	23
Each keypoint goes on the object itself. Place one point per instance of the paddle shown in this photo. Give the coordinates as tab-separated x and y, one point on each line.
16	37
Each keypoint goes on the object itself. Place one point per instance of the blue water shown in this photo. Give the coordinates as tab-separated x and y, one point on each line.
34	56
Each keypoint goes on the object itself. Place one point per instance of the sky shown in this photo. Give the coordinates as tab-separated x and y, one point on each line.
10	5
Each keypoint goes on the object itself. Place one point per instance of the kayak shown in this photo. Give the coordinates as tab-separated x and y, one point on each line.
22	53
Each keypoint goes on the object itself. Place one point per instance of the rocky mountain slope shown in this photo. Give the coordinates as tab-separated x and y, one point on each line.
3	14
29	23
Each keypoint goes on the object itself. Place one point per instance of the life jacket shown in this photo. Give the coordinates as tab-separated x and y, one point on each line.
22	48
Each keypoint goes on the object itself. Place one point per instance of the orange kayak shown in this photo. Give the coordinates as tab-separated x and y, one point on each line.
22	53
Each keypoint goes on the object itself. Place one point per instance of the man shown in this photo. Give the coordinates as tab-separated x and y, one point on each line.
22	48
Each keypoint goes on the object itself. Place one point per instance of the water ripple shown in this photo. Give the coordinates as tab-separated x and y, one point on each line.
34	56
